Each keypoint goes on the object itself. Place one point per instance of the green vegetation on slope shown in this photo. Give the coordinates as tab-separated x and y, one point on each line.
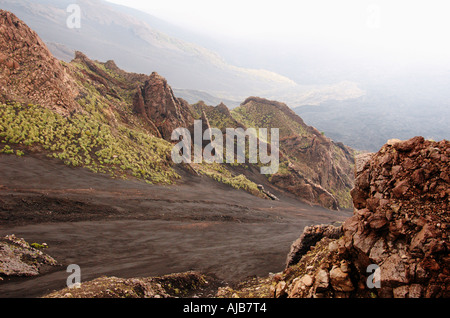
84	141
220	173
217	118
107	137
263	115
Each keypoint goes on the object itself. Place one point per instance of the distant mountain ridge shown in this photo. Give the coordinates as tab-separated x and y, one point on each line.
367	122
113	32
105	29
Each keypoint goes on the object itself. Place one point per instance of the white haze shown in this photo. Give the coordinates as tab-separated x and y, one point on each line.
382	31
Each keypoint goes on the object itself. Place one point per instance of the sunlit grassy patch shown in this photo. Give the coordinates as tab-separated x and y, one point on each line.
83	140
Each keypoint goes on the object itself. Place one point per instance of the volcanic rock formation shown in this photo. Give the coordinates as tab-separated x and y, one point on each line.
155	100
28	71
396	243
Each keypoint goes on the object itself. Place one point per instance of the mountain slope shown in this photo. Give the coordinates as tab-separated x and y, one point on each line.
68	112
313	166
110	121
90	125
104	131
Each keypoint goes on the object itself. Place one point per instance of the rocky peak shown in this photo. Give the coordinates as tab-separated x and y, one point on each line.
277	105
28	71
156	101
261	100
223	109
111	65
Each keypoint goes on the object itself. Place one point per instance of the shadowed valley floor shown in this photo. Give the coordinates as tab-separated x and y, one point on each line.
132	229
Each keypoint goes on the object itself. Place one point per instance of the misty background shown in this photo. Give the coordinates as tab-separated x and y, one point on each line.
360	71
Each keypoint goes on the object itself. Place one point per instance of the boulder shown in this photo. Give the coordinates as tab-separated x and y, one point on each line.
340	281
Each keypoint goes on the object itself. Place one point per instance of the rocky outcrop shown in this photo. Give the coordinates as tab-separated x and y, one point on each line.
296	183
187	284
19	258
268	193
395	244
401	217
156	102
28	71
310	236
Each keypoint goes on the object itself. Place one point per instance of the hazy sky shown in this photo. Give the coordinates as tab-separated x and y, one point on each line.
410	29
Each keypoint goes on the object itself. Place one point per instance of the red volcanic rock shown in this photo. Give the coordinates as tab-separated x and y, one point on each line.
412	222
28	71
156	101
400	226
409	145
